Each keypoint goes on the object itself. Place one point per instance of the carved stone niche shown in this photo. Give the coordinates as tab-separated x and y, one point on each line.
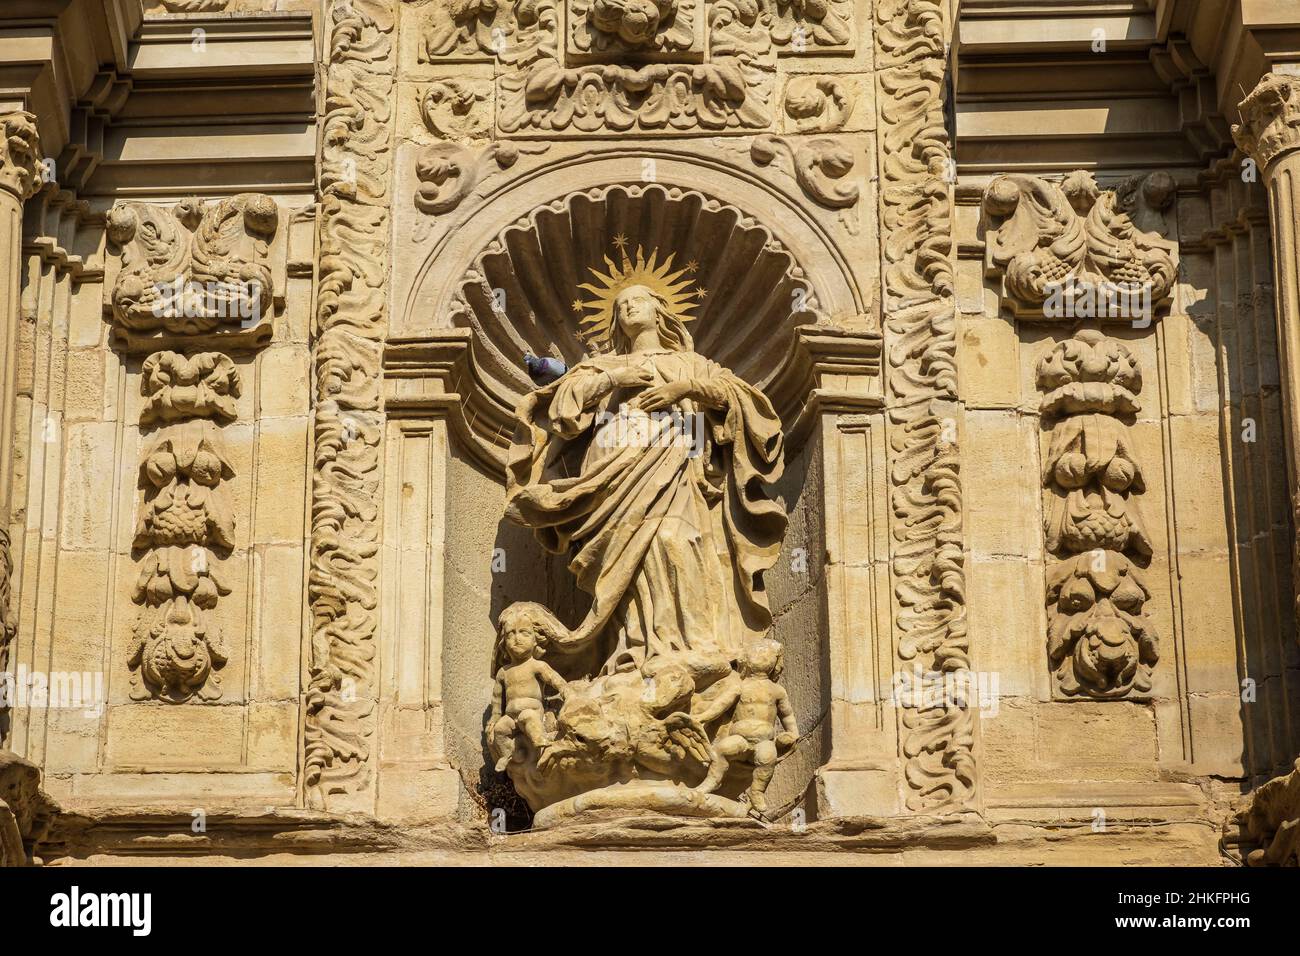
1072	251
791	357
195	274
516	298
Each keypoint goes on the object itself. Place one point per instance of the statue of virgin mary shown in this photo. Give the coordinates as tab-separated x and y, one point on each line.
646	464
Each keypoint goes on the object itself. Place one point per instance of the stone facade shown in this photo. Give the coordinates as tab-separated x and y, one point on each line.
858	431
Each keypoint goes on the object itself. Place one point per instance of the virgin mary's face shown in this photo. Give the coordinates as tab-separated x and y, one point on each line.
634	310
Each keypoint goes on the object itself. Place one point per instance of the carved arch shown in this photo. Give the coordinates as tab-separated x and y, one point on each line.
509	266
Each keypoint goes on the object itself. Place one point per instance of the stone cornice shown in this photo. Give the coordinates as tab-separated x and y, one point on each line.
1270	116
20	154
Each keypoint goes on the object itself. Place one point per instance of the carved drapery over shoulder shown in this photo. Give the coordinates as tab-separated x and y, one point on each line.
1100	643
20	154
1270	119
195	269
1071	250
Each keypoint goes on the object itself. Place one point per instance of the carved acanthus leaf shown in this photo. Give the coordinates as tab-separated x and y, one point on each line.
448	172
727	93
351	318
926	548
1047	237
20	154
818	104
453	109
194	269
754	28
1270	119
185	522
819	166
176	387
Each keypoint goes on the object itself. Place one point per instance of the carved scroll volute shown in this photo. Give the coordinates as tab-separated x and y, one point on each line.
185	528
195	273
1073	251
1101	643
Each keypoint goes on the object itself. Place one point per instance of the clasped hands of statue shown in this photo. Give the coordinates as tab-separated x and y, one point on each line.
657	397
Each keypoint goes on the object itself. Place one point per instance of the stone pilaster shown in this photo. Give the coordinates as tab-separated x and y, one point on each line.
19	177
1270	135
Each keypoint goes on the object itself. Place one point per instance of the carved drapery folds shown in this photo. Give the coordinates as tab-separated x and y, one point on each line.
26	812
1101	643
1072	250
185	528
194	269
925	472
1266	832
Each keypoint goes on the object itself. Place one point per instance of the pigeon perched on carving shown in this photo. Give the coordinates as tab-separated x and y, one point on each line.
543	371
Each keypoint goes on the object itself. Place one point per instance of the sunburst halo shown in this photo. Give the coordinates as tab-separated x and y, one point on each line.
659	277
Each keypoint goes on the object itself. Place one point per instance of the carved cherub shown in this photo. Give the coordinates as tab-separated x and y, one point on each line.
751	733
524	629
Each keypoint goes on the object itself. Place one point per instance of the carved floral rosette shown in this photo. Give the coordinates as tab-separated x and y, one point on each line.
1101	643
1071	250
185	526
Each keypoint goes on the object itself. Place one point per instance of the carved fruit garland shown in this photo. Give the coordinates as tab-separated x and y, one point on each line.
1100	643
185	526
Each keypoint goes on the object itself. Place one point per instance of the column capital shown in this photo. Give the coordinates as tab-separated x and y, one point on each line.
20	154
1270	116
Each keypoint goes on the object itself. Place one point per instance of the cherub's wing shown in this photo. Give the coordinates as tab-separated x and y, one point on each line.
686	736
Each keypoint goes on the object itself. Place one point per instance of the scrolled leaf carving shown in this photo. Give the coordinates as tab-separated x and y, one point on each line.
194	268
1050	240
926	548
820	167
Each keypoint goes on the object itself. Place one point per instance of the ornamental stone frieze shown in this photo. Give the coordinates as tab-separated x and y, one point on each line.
634	66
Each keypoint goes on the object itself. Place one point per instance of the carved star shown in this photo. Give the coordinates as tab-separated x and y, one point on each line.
620	241
691	267
577	305
701	292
